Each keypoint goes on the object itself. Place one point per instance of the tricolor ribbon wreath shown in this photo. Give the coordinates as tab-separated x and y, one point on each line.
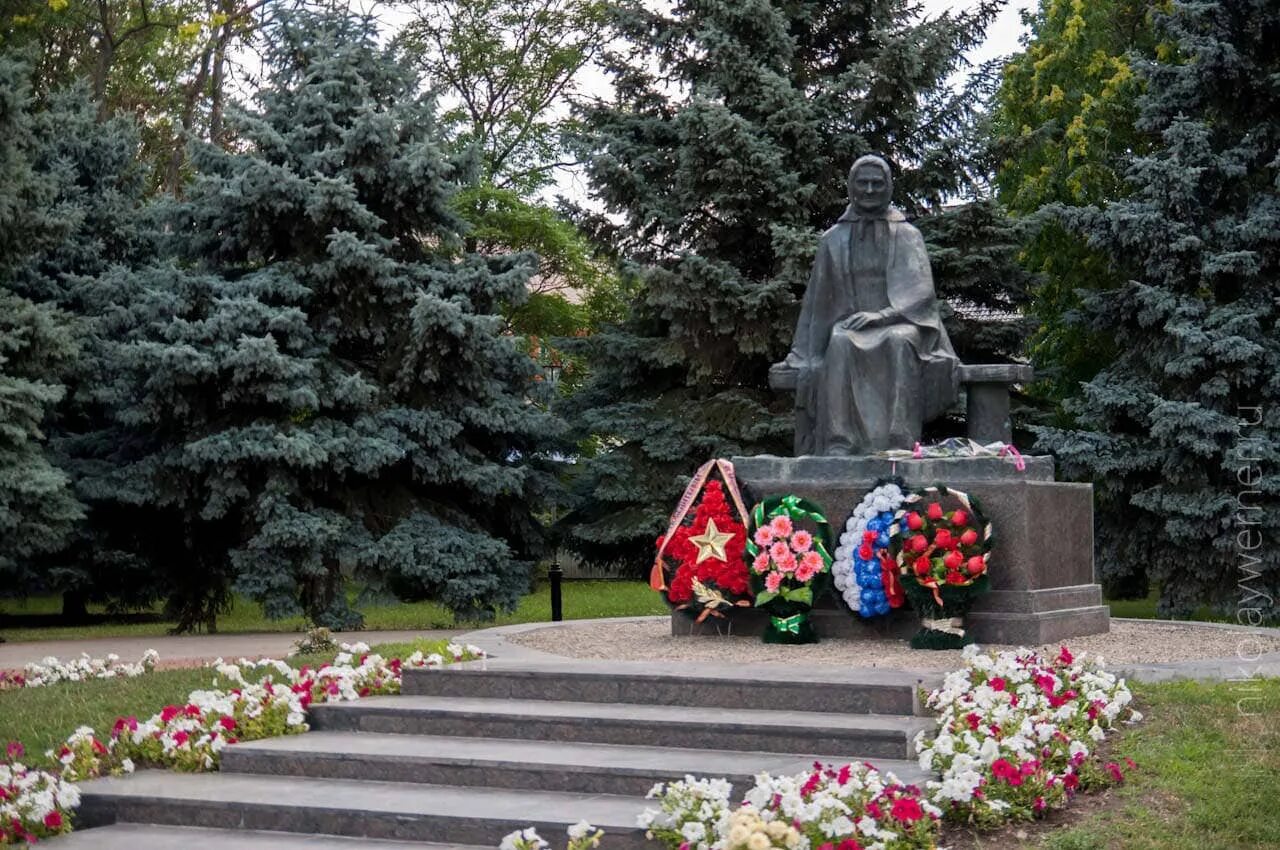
864	572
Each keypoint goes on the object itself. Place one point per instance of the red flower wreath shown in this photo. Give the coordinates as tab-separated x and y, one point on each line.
729	575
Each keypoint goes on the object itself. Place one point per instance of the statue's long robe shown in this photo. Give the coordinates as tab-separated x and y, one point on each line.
873	388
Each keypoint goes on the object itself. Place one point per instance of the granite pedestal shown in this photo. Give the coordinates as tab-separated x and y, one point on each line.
1043	585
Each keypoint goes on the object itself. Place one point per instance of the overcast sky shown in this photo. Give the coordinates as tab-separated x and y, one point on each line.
1002	36
1002	40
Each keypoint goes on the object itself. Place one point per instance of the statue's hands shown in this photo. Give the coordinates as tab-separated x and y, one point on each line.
858	321
793	362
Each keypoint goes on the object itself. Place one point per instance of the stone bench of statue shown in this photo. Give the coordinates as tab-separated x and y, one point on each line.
870	364
987	396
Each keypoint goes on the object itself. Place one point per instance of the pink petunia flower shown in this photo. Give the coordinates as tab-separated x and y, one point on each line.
772	582
801	541
781	526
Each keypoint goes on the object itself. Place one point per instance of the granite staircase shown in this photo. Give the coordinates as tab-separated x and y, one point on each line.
471	752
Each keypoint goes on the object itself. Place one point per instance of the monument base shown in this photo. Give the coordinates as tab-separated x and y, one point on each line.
1043	587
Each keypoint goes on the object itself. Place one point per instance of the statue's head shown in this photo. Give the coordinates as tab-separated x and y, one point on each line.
870	185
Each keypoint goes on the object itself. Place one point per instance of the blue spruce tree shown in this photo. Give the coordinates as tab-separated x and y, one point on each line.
316	386
37	508
720	161
98	187
1181	433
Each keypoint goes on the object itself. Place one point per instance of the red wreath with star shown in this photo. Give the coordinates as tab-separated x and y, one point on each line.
709	551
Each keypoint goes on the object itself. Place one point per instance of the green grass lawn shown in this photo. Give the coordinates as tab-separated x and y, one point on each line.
1208	762
582	600
42	718
1145	609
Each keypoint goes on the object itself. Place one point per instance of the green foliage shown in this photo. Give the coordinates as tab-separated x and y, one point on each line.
509	66
168	62
722	156
573	290
973	249
1063	124
1178	432
37	507
98	184
507	71
317	387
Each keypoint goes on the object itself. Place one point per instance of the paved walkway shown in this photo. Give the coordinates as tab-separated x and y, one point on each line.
1241	667
173	648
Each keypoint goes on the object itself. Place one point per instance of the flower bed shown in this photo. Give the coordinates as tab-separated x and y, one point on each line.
34	804
258	699
828	808
1017	734
261	699
582	836
51	670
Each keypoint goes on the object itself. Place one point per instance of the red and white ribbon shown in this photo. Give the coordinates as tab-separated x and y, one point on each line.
657	577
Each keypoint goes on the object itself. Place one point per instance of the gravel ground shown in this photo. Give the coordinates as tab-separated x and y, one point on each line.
1127	643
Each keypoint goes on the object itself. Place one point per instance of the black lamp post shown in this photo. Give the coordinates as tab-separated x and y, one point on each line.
555	574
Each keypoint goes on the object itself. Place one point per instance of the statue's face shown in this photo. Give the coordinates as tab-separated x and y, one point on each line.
871	189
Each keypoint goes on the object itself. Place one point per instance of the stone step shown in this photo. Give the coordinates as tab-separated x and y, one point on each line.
844	736
359	809
139	836
510	763
762	687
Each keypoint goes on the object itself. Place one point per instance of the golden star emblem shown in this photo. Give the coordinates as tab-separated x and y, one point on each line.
711	543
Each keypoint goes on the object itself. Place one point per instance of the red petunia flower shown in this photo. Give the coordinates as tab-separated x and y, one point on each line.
1004	769
906	810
